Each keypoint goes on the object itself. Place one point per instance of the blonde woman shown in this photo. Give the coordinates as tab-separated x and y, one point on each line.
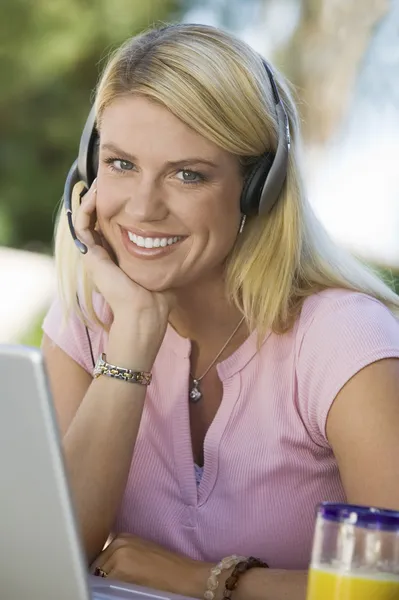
254	365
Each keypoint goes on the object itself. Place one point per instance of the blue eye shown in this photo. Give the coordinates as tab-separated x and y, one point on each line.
124	165
119	164
188	176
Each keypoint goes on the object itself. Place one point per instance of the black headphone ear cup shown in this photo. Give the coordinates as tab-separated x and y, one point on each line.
253	186
88	150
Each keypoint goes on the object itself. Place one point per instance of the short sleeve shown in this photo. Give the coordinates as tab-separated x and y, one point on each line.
344	334
70	334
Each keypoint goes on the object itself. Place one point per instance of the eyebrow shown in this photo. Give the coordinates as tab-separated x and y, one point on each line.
170	163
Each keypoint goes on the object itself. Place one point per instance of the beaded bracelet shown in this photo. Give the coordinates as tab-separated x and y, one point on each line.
240	569
213	581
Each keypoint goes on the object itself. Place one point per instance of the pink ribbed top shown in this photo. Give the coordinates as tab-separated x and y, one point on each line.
267	460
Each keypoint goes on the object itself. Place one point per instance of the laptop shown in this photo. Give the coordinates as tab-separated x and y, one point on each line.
41	557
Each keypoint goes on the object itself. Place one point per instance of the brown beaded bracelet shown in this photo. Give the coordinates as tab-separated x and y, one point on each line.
240	569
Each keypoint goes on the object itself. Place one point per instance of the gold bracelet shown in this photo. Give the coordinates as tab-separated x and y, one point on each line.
213	580
104	368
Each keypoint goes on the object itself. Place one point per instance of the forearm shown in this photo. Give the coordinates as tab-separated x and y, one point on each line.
256	584
272	584
98	450
99	444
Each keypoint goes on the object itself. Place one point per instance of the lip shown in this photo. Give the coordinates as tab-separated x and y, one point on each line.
148	253
151	234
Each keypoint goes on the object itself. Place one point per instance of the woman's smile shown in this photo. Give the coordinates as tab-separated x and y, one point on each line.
147	246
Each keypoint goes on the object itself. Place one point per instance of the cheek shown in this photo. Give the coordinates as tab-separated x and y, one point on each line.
218	225
108	203
224	215
224	227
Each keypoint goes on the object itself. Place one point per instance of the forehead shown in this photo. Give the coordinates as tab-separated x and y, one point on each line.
134	123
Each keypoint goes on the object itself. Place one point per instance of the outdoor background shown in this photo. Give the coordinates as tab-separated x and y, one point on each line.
341	55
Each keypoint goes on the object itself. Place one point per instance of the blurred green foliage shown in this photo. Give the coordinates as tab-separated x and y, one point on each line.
33	336
51	54
390	277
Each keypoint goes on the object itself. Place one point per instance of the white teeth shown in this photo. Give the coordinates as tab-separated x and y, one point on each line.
152	242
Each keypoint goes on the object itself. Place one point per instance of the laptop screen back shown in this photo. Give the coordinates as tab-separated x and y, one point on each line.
39	545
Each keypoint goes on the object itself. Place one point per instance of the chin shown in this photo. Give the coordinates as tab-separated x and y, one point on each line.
153	280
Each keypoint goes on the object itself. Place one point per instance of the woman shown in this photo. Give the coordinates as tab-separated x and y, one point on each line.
273	354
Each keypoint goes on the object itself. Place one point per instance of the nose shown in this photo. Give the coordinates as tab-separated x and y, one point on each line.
146	202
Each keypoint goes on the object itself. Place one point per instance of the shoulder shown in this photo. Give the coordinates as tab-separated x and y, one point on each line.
336	311
324	301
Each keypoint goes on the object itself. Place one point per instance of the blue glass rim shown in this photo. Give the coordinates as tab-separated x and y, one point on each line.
362	516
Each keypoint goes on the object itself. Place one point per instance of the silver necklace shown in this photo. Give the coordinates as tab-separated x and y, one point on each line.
195	393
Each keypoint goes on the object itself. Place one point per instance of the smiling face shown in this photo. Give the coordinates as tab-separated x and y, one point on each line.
167	199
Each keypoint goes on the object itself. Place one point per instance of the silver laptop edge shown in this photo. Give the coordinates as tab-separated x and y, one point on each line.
40	547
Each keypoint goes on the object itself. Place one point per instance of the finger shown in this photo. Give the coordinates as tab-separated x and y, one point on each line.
102	240
108	551
99	572
104	560
85	214
106	569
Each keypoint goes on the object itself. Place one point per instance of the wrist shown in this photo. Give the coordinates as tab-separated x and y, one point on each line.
196	577
132	346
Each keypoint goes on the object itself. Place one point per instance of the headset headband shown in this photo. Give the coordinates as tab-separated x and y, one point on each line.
278	172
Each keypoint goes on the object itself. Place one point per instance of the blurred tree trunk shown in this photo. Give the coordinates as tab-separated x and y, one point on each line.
323	56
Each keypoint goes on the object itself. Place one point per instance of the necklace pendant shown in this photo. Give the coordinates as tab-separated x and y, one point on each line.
195	393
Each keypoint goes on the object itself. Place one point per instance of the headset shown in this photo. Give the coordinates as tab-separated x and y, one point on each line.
261	189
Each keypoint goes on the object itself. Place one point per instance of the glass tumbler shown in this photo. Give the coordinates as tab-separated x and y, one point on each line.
355	554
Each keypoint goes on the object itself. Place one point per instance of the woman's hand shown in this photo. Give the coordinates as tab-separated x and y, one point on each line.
138	313
134	560
119	291
131	559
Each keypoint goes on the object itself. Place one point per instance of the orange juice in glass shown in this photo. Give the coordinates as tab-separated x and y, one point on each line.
355	554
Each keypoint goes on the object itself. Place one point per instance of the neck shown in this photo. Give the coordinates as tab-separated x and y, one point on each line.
203	313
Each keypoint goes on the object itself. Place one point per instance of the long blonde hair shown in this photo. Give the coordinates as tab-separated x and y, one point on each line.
217	84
